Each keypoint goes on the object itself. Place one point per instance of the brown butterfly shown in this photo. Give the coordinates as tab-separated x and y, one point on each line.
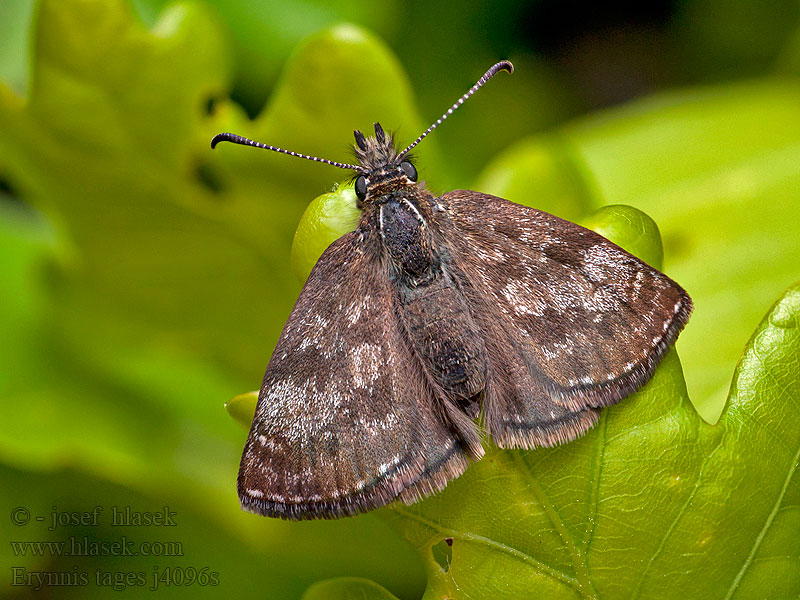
433	312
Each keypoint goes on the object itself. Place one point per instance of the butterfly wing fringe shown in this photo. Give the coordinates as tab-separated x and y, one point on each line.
411	482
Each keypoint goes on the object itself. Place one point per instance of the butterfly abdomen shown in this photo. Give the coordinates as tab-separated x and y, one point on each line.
444	336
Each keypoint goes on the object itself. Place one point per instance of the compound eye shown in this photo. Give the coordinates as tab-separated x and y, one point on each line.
409	170
361	187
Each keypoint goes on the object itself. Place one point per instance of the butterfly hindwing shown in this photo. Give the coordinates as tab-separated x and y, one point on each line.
345	421
571	321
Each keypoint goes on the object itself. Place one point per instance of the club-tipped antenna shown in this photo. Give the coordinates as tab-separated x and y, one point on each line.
237	139
503	65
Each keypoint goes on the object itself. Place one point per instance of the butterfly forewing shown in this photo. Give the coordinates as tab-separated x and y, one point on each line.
345	421
576	322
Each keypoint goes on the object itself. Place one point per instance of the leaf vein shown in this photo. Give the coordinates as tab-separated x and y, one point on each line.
584	582
493	544
594	492
762	534
674	524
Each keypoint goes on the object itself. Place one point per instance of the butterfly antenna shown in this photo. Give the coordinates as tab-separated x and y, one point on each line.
237	139
503	65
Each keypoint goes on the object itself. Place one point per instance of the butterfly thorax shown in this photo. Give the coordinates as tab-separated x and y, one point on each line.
406	238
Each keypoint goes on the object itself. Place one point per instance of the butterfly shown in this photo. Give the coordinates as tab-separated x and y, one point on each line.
433	313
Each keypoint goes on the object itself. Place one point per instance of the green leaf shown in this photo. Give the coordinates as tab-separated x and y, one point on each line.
347	588
631	229
242	407
764	401
16	18
540	173
326	219
72	149
261	42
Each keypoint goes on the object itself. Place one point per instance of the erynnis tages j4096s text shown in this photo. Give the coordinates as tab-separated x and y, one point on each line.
433	313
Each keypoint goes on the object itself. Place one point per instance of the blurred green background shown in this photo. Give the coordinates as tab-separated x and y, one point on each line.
145	279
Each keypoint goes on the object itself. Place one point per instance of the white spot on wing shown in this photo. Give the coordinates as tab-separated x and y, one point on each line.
522	299
365	364
354	311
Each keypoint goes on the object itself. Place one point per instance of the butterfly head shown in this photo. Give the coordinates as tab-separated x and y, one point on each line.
383	168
